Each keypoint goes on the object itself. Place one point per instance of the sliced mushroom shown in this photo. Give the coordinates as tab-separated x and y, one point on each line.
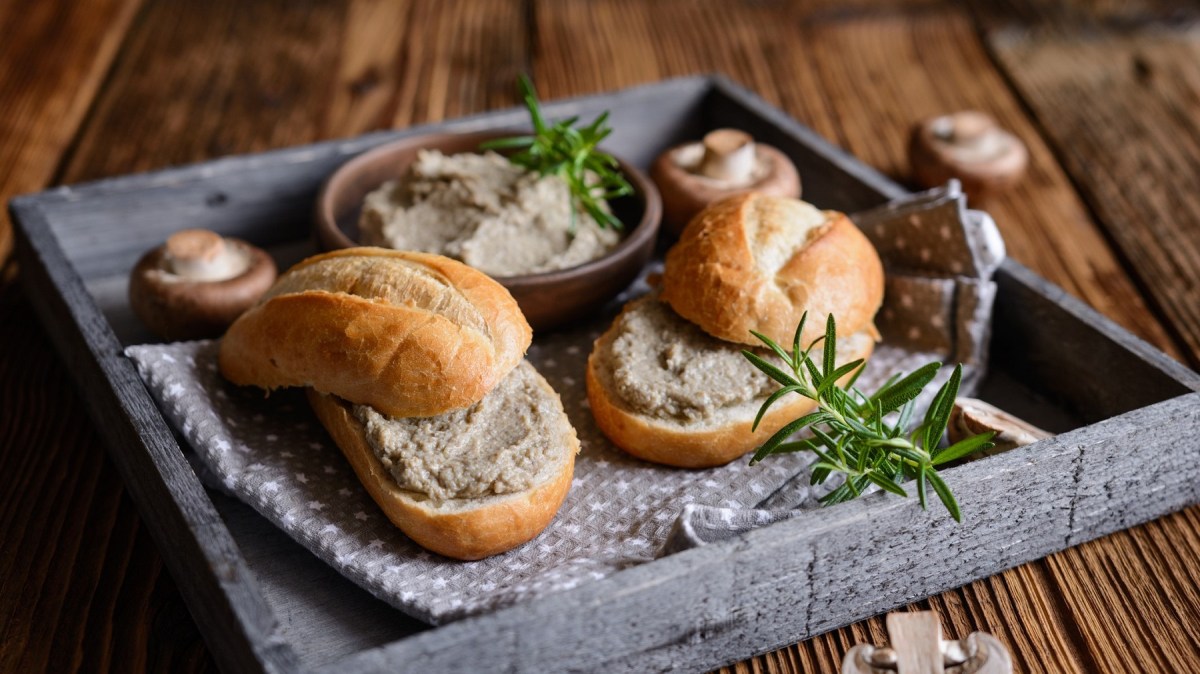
727	162
971	147
197	283
972	417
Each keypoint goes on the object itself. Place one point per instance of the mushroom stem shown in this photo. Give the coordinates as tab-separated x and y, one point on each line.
201	255
972	416
728	155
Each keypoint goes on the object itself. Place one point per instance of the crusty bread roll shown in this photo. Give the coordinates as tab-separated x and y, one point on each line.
756	262
665	391
410	334
465	528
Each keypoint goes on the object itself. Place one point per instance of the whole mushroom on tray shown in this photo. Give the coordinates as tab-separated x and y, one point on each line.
197	283
727	162
970	146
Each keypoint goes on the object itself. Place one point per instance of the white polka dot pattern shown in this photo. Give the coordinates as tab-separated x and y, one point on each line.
271	453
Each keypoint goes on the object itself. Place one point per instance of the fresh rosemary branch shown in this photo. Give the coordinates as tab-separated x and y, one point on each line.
851	432
570	153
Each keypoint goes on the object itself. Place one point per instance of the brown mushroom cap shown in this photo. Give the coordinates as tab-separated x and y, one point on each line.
693	175
175	306
972	416
969	146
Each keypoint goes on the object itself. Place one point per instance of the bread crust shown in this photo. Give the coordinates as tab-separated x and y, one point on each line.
464	529
713	278
409	334
686	447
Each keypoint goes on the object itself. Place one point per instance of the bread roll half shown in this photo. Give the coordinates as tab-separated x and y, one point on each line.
475	527
757	262
664	391
410	334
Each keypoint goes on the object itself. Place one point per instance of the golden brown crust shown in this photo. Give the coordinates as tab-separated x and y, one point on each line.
715	275
675	445
461	528
409	334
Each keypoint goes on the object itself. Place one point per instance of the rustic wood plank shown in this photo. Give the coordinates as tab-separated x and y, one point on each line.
1133	595
1117	99
201	80
82	581
1123	113
460	58
45	98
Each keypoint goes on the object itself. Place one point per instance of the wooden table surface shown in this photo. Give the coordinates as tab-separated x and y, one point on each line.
1106	94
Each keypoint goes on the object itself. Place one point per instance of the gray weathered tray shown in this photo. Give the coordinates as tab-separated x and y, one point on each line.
265	604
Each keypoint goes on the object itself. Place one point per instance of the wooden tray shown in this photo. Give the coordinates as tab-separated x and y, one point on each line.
1128	448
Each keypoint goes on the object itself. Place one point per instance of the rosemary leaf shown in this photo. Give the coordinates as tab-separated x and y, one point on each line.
964	447
830	348
850	434
571	153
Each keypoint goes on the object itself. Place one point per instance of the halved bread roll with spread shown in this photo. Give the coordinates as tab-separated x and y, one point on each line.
466	484
414	364
668	382
758	262
665	391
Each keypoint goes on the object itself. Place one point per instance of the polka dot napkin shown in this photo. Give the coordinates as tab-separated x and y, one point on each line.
273	454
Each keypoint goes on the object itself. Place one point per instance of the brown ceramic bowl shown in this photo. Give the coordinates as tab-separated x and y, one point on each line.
548	299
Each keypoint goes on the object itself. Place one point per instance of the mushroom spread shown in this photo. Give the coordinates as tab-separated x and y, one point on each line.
197	283
485	211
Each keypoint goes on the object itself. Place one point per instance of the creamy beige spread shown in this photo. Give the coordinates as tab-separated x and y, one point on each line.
666	367
485	211
497	446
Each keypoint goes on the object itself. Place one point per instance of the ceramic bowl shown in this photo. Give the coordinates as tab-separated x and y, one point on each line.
549	299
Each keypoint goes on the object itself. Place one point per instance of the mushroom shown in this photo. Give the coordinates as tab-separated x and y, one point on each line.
969	146
972	416
197	283
727	162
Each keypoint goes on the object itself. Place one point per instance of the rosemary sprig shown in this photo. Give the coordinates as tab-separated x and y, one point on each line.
570	153
852	434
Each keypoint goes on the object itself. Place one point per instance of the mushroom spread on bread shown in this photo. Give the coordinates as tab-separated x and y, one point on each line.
726	162
414	364
197	283
668	382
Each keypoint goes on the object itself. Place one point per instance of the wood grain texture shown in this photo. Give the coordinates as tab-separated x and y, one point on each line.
195	82
45	98
1141	93
1117	97
83	585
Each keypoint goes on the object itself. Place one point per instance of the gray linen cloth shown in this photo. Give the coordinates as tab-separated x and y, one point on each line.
272	454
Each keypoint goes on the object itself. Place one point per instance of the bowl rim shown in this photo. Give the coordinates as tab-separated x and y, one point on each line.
633	240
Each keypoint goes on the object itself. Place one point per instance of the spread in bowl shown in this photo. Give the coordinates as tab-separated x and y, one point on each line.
486	211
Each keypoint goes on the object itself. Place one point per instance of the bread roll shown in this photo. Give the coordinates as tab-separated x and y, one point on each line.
479	526
665	391
756	262
410	334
